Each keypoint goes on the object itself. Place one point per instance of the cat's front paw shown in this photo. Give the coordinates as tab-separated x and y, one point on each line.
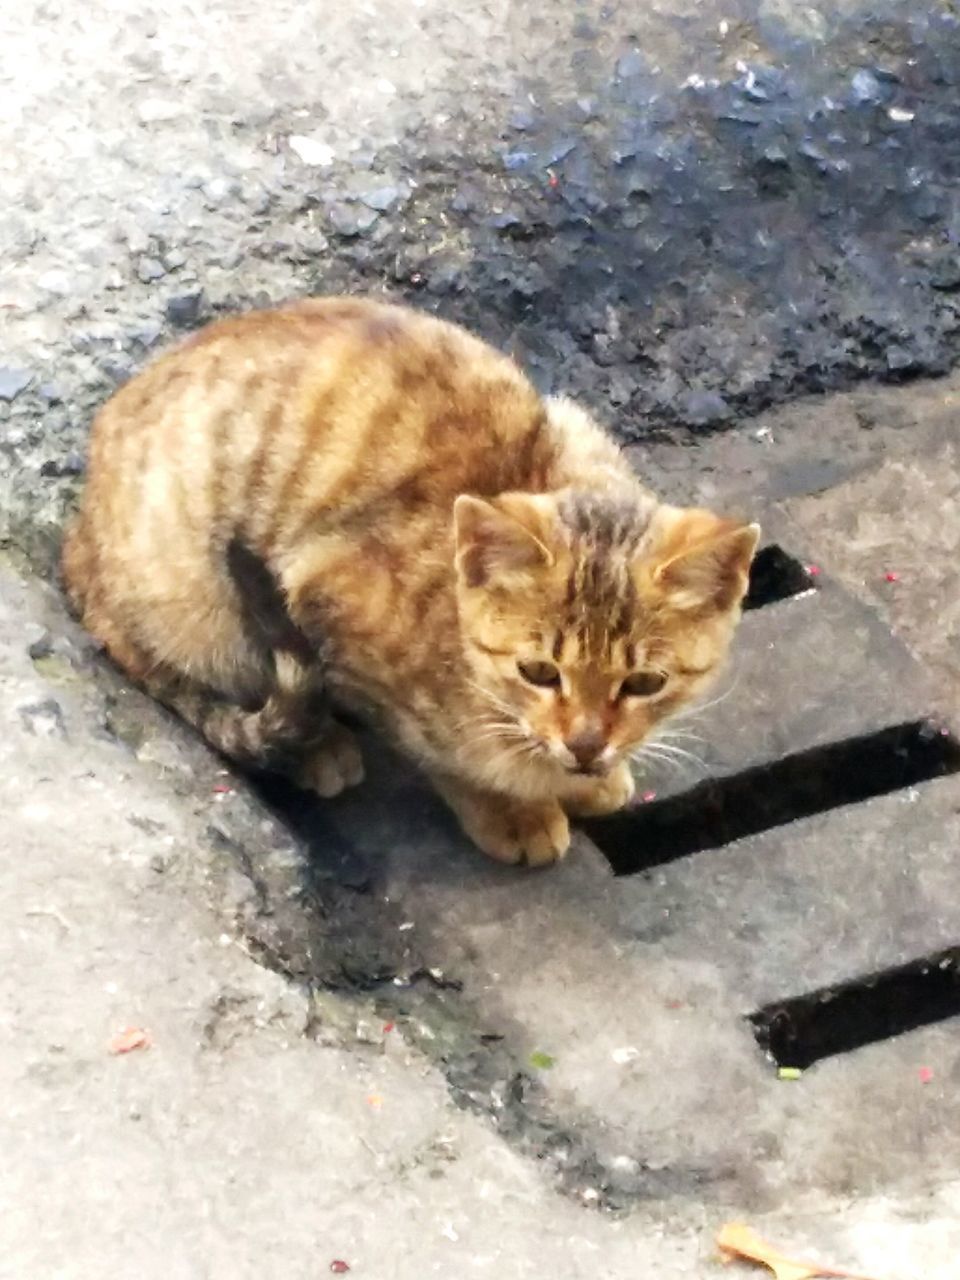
593	797
534	835
333	765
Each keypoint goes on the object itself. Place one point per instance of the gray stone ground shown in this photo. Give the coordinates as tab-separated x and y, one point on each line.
682	212
263	1133
274	1126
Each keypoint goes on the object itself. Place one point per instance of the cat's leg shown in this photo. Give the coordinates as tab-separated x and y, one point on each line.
293	732
286	721
309	743
331	765
516	831
593	797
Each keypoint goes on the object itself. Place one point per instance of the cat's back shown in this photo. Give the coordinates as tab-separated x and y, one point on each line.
332	403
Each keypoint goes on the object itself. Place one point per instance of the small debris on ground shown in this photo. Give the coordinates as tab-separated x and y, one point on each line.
128	1039
789	1073
891	576
339	1267
541	1061
53	914
43	719
622	1056
159	110
311	151
925	1074
737	1241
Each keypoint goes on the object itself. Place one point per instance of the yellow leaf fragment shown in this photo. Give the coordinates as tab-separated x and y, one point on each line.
738	1241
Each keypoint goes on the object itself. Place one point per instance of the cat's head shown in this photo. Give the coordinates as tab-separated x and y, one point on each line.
588	619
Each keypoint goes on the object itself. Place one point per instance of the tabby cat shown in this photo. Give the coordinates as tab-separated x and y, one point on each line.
346	506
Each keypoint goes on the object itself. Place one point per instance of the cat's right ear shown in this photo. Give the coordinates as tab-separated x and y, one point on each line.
492	545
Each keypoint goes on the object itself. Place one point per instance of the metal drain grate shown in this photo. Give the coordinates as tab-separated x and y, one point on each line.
720	810
801	1031
659	975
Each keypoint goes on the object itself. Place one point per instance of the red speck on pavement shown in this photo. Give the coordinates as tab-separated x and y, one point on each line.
890	576
339	1267
813	570
128	1039
925	1074
648	796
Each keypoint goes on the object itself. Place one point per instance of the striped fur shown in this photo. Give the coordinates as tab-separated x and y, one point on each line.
344	505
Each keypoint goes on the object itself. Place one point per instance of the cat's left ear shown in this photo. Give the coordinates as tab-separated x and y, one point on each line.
500	542
700	561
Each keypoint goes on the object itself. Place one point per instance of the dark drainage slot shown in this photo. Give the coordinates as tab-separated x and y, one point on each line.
774	576
799	1032
724	809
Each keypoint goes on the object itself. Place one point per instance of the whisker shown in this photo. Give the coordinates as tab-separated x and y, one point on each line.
654	758
498	736
668	750
679	753
490	696
517	751
663	754
669	733
698	709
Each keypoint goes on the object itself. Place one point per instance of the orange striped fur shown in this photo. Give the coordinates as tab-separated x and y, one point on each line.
342	505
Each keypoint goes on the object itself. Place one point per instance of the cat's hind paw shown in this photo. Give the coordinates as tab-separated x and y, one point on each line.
333	765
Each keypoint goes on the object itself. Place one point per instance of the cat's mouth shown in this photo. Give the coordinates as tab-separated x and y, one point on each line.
589	770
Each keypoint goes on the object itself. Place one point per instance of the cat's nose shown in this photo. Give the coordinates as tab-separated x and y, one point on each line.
586	747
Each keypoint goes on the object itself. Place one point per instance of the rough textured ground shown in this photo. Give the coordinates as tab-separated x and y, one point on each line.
267	1131
275	1125
682	212
679	211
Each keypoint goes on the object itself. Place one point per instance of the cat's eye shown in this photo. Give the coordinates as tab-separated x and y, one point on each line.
542	674
643	684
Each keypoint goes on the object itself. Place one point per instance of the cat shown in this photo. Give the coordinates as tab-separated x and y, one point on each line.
342	505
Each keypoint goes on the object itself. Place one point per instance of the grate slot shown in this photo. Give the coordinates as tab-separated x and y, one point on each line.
720	810
803	1030
775	575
